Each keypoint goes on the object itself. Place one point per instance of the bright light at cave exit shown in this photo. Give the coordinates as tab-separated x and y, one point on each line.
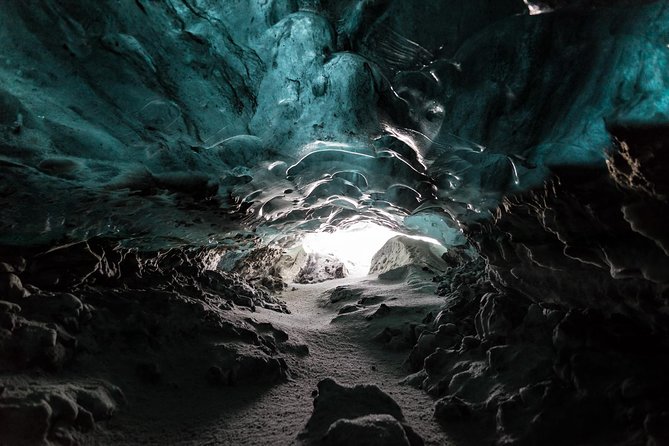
355	245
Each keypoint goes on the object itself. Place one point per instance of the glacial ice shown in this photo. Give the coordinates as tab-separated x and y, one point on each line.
158	122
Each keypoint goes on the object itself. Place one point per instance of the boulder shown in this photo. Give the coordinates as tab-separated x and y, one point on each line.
370	430
319	268
341	413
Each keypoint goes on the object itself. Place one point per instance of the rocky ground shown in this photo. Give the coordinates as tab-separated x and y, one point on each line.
122	347
157	348
102	344
79	344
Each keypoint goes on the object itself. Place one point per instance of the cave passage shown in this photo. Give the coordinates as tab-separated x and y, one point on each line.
334	222
344	325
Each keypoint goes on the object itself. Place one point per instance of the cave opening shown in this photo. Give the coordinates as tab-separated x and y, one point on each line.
355	246
334	222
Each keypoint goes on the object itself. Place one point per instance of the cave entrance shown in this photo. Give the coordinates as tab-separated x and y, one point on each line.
354	246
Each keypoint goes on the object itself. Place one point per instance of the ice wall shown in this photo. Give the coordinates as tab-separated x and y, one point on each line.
186	121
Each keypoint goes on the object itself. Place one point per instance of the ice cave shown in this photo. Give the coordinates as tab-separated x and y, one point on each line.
334	222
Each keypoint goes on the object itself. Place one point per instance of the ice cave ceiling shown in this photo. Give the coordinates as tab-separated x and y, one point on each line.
185	121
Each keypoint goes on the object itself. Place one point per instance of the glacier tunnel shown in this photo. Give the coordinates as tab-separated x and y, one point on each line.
334	222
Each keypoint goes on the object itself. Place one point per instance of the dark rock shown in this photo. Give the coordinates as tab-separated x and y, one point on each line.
149	372
451	409
350	308
96	400
11	287
37	345
62	437
342	293
54	411
24	423
9	307
255	368
85	420
383	310
469	342
370	300
657	428
8	315
633	388
387	334
273	283
65	409
372	430
217	376
335	403
415	380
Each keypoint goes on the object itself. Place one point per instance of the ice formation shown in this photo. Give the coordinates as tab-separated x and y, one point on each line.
304	116
165	161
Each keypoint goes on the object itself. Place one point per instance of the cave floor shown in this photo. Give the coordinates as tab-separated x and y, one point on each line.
341	347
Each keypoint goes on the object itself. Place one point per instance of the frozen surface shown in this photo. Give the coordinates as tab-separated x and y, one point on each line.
185	121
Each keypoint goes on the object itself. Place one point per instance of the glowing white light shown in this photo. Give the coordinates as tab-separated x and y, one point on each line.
355	245
534	9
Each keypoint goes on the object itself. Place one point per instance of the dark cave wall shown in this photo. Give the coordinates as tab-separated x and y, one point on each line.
558	334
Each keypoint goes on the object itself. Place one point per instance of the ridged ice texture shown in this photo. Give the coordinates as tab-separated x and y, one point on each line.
186	120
